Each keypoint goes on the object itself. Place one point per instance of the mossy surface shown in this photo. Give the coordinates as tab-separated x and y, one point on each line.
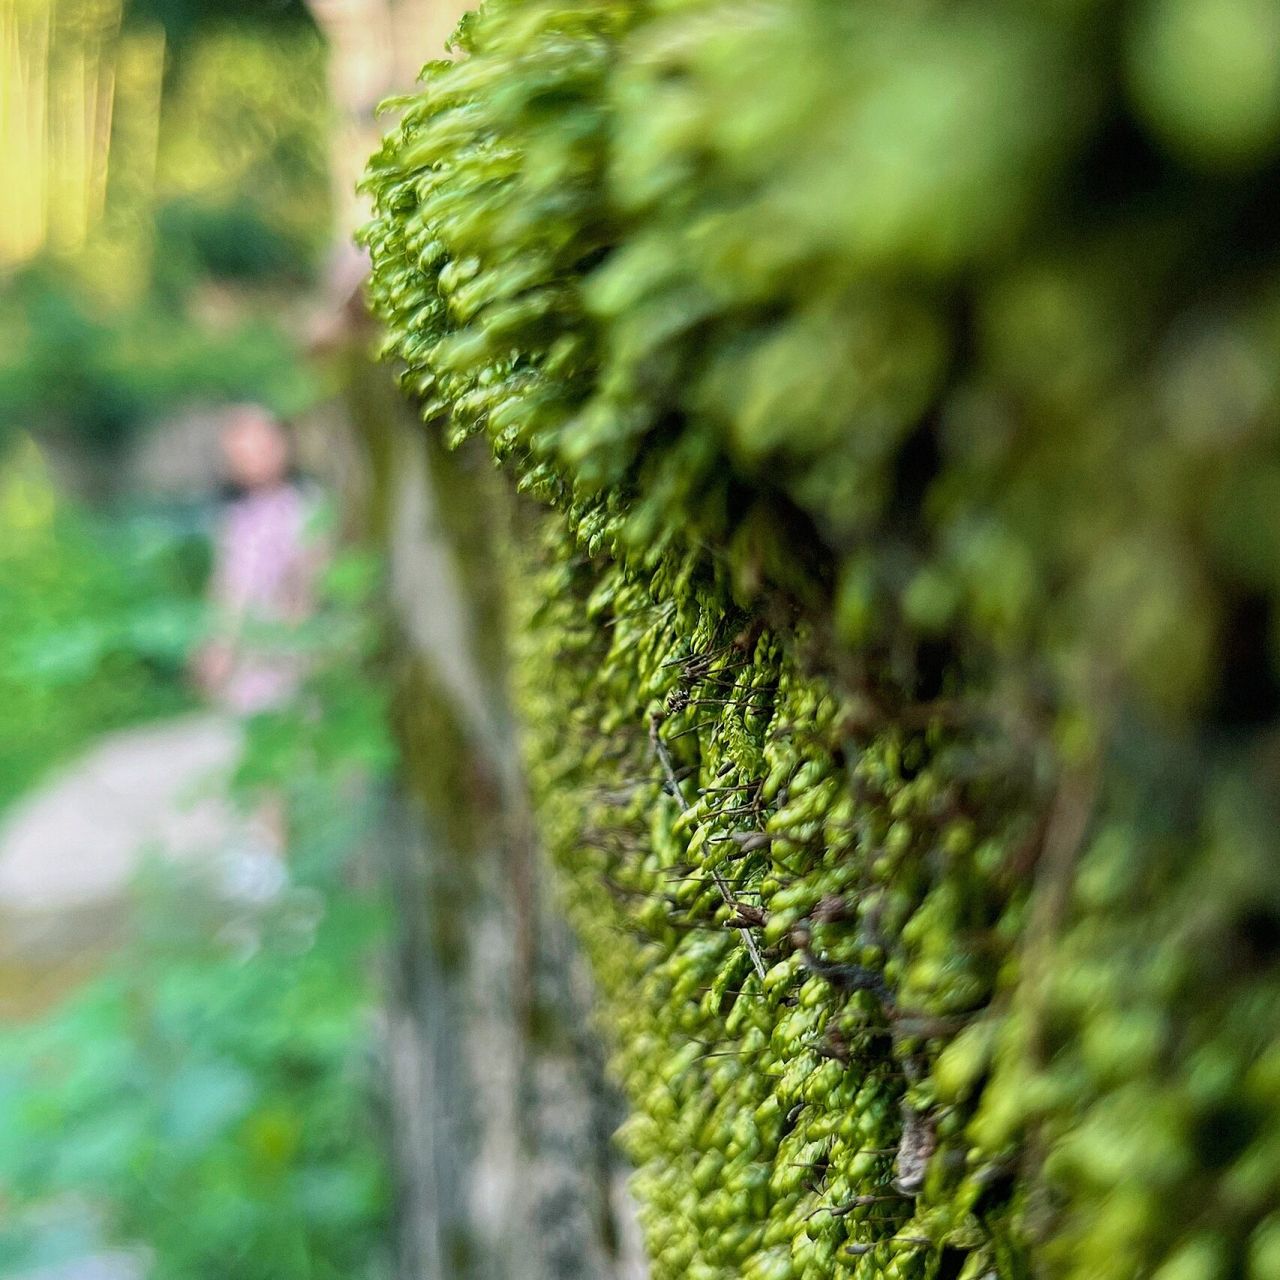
899	664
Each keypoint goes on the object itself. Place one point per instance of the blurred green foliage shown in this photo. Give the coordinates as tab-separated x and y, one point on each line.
99	613
903	382
210	1098
218	1111
214	218
93	372
230	241
245	126
184	20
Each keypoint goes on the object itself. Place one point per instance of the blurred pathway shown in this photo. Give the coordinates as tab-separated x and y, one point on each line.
68	850
106	1266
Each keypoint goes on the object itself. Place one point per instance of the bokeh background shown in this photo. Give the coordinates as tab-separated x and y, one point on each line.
190	1085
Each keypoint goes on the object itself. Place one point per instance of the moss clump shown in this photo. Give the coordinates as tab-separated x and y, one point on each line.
899	663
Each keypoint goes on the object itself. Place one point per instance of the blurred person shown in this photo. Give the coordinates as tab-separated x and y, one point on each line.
267	559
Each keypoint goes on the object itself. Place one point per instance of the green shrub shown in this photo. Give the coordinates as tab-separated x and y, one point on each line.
97	373
903	383
217	1111
223	242
99	613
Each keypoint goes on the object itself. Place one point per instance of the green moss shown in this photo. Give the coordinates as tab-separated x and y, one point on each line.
906	413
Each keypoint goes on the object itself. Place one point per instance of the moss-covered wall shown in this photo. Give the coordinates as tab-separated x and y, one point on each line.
898	658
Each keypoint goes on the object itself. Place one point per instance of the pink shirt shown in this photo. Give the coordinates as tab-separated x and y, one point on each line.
264	580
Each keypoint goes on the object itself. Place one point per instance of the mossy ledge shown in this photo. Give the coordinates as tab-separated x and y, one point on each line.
898	661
